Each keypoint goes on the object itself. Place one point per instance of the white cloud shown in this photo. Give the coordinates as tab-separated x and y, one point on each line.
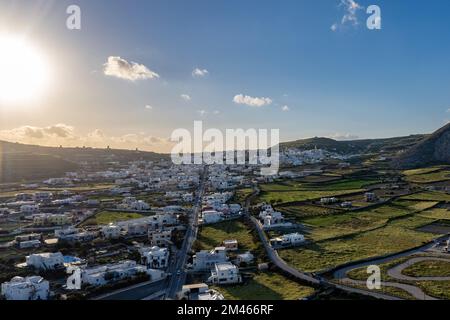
199	73
122	69
186	97
351	8
251	101
62	134
31	133
343	136
216	112
148	107
448	110
285	108
202	112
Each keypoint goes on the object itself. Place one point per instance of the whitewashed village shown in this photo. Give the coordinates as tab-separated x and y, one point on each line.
140	230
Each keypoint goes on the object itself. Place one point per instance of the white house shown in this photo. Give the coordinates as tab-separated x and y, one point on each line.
200	291
155	257
211	216
29	208
231	245
288	240
29	244
110	273
45	261
247	258
205	260
188	197
160	238
111	231
29	288
234	208
225	273
75	235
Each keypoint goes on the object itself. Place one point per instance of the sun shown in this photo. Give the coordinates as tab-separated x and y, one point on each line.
24	73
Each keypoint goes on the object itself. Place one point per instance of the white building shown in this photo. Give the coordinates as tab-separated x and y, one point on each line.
45	261
130	203
30	288
75	235
329	200
225	273
160	238
211	216
29	208
205	260
231	245
288	240
102	275
46	219
199	292
29	244
111	231
247	258
155	257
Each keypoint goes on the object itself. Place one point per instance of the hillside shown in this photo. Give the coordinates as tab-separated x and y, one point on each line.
433	149
356	146
20	162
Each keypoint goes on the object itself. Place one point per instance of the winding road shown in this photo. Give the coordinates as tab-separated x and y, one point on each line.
340	275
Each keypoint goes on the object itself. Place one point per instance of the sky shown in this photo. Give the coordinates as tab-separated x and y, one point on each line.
139	69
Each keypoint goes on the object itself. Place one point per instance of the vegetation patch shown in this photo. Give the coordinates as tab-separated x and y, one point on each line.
267	286
213	235
428	268
398	235
107	217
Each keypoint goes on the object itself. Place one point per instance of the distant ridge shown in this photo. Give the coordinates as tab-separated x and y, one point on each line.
355	146
432	149
31	162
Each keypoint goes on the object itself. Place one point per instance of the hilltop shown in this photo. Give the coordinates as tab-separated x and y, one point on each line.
355	146
432	149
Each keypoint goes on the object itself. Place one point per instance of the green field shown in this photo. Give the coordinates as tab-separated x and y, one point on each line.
438	289
430	268
439	214
299	212
297	196
396	236
241	195
346	224
267	286
211	236
415	172
107	217
338	185
428	196
431	177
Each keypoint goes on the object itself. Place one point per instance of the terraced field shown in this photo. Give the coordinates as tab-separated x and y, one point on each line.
397	235
267	286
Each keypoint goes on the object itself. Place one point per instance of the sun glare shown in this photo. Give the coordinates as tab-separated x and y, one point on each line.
24	73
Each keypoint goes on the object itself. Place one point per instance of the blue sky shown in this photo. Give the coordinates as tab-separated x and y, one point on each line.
349	82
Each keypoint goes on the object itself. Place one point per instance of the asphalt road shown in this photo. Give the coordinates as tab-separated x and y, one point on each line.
177	274
136	292
280	263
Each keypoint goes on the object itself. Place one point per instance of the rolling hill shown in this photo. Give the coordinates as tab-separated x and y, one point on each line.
432	149
19	162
